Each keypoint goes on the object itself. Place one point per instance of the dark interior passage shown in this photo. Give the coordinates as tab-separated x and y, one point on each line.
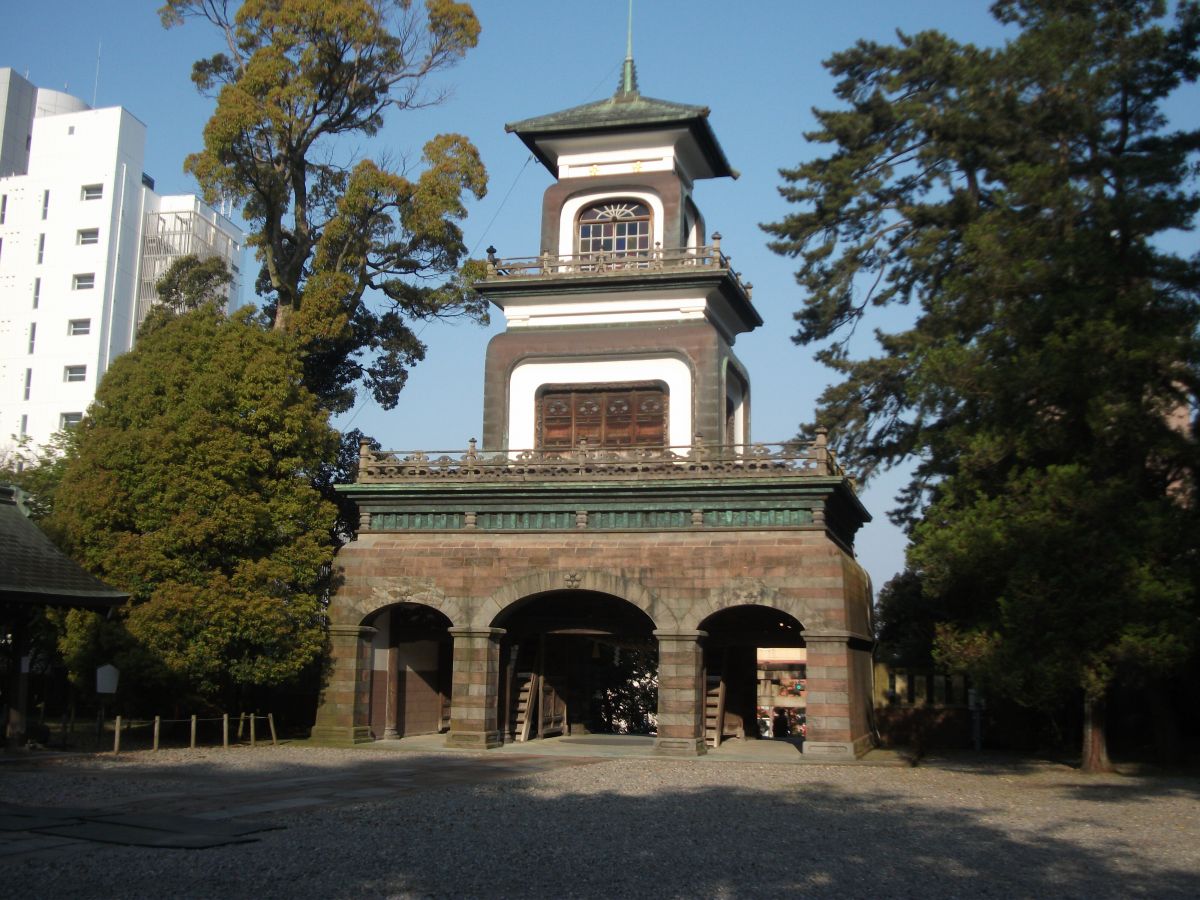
576	662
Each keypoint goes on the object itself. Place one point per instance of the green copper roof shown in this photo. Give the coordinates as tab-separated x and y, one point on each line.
626	110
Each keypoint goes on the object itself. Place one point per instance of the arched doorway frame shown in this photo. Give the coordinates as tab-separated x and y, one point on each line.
735	685
548	677
409	670
592	581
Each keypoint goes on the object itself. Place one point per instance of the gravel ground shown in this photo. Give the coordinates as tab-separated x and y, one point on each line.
621	828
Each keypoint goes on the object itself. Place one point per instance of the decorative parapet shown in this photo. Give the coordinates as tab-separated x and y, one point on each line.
794	459
625	262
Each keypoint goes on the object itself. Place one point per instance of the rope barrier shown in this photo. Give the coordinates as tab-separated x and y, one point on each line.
251	719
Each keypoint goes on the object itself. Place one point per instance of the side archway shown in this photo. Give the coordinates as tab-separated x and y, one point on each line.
755	660
411	659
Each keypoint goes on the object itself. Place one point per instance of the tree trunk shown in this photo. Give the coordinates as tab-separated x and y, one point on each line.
1095	736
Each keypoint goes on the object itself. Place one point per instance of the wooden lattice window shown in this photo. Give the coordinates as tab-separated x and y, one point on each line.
609	417
615	228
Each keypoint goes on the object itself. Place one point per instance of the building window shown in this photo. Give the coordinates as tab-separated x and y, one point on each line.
45	204
605	417
32	336
77	327
74	373
24	426
28	382
615	228
41	248
84	281
1	248
69	420
70	129
87	236
91	192
37	291
3	208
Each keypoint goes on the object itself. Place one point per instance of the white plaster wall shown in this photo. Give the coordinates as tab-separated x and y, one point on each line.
626	161
527	377
613	309
733	391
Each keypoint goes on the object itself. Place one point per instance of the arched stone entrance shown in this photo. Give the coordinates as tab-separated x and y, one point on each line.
754	658
410	674
576	661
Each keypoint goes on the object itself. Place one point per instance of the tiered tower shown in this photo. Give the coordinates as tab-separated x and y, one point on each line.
617	509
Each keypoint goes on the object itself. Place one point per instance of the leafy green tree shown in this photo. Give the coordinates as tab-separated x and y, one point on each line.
190	282
352	252
190	486
1045	390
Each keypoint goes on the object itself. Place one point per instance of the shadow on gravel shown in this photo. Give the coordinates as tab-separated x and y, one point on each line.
732	842
1136	790
477	836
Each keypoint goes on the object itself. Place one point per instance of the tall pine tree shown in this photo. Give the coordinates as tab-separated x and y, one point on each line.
1047	387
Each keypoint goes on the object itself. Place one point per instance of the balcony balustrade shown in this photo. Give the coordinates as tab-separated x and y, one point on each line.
700	460
616	263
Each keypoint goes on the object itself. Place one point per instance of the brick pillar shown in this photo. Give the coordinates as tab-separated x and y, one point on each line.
475	689
828	697
680	693
345	700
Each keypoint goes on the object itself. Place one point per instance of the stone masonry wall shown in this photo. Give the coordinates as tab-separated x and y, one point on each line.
676	578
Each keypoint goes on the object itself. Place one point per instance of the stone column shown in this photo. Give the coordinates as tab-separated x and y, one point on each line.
475	689
829	714
680	694
342	712
391	728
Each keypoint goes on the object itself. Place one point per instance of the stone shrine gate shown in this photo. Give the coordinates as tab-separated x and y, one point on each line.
618	510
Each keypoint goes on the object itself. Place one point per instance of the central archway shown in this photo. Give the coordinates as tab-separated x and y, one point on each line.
576	662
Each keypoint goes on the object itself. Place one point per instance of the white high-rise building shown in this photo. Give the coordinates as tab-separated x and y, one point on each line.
83	238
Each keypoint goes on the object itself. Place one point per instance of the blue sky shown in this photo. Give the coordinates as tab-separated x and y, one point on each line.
756	64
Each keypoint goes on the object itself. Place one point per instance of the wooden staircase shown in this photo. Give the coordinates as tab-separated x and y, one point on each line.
525	709
714	710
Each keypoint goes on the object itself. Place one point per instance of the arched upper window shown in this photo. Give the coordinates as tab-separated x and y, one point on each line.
615	228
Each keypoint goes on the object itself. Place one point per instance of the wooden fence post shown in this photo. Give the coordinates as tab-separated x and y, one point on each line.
117	737
192	745
251	729
225	730
271	722
157	721
241	722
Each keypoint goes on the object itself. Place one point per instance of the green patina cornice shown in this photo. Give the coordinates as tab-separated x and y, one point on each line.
530	507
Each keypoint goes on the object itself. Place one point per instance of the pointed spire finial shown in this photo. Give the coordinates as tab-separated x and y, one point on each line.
628	86
629	35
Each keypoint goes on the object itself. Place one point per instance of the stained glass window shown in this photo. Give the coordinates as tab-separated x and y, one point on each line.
615	228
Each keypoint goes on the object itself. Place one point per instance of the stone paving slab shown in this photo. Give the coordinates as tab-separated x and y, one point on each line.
132	836
186	824
30	822
129	829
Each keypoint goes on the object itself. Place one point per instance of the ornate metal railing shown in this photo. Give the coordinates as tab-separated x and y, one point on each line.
796	458
623	262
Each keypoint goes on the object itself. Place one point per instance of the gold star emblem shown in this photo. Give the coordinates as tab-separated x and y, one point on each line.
594	170
637	165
